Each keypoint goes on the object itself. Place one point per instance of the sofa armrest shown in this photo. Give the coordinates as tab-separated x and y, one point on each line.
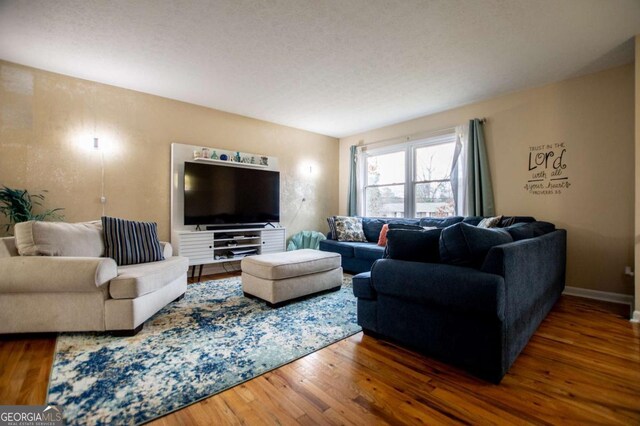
532	269
455	287
167	249
55	274
362	287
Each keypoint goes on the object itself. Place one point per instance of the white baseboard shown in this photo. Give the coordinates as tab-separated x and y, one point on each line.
625	299
606	296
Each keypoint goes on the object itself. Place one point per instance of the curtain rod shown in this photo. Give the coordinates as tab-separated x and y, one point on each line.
410	137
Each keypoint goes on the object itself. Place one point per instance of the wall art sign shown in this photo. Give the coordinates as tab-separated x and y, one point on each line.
547	169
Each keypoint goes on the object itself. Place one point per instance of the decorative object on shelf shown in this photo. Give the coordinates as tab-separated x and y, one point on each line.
197	153
214	156
238	158
253	160
224	157
205	152
264	161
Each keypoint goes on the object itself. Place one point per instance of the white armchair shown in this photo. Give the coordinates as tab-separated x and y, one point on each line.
61	293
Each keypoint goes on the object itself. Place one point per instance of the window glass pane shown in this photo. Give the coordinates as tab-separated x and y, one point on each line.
434	199
385	201
434	162
385	168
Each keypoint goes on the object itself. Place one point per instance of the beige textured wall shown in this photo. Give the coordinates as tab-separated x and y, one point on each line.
594	116
46	127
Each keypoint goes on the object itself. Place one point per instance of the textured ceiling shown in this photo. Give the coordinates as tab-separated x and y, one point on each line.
330	66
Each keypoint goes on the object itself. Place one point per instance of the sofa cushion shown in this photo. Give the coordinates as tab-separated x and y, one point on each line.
413	246
466	245
342	248
406	227
137	280
440	222
8	247
372	228
37	238
403	221
522	231
473	220
446	286
349	229
362	286
512	220
367	251
129	242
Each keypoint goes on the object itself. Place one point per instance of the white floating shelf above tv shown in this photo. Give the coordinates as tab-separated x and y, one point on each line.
229	163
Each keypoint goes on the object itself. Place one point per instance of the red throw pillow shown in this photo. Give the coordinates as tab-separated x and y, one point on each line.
382	239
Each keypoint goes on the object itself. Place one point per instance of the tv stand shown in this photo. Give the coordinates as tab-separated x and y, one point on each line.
228	244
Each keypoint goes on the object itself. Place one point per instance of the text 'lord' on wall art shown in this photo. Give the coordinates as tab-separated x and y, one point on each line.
547	169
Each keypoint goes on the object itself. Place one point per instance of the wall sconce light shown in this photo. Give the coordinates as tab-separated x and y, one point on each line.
96	143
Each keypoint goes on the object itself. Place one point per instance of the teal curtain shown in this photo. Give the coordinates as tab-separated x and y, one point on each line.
352	200
479	194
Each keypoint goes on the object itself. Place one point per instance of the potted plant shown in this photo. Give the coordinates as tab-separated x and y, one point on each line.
17	205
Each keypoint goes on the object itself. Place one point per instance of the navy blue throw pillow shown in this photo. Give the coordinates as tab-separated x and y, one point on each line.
467	245
405	226
372	228
413	245
129	243
522	231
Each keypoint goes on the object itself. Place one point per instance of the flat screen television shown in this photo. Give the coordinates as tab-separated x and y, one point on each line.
225	195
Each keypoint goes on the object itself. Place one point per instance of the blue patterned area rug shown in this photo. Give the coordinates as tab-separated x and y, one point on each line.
211	340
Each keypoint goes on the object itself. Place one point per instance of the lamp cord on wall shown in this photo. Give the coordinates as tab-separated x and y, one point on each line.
102	199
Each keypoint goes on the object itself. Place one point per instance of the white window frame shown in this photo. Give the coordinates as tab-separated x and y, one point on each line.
409	149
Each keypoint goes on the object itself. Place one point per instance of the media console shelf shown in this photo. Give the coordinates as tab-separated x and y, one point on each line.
228	245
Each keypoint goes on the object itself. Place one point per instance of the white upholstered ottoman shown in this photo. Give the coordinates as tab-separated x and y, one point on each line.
279	277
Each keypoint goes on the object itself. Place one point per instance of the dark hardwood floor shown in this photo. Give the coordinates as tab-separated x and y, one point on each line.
581	367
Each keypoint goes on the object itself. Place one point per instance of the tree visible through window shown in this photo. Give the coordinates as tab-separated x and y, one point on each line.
432	180
391	190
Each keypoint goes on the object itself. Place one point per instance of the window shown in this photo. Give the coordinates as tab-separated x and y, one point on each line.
410	180
385	190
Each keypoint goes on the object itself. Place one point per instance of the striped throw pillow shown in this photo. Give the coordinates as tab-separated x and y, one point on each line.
128	242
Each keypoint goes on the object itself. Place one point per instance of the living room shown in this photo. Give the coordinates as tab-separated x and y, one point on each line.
103	104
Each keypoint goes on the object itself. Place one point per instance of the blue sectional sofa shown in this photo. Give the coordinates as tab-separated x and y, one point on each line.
478	317
358	257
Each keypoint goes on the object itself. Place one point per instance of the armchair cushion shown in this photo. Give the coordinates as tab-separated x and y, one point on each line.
137	280
129	242
45	274
37	238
